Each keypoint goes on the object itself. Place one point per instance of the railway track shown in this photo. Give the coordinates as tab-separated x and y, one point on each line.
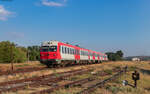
36	81
78	82
32	69
91	88
22	70
48	80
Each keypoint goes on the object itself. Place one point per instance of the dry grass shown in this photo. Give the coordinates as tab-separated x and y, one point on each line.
7	67
114	88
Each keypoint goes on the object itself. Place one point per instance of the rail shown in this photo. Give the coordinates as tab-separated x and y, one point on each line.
101	83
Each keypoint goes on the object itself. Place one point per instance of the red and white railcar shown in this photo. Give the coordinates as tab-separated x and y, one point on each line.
58	53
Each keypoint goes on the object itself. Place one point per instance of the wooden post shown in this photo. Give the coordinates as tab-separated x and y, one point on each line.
135	77
12	65
28	54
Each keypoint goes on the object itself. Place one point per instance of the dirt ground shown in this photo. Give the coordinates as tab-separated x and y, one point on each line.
7	67
114	87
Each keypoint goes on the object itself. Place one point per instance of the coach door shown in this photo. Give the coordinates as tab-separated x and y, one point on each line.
77	55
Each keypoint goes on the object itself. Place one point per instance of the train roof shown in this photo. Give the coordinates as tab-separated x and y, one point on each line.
48	43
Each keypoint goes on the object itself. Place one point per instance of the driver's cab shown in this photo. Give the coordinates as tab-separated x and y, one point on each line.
48	50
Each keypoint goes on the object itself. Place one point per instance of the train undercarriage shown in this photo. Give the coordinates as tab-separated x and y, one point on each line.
63	63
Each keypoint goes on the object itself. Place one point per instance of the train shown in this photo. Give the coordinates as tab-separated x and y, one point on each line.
55	53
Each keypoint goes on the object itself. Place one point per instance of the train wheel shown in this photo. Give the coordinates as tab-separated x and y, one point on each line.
49	65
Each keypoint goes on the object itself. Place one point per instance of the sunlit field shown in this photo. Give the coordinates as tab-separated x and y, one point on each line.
114	87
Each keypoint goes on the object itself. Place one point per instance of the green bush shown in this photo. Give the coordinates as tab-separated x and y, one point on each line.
10	52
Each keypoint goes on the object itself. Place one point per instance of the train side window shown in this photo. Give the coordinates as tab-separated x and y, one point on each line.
61	49
68	50
65	50
75	51
72	51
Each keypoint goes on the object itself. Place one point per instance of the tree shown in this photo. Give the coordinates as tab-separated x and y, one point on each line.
34	53
115	56
10	52
120	53
5	51
110	56
20	54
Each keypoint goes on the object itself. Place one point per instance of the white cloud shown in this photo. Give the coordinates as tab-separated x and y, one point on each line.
4	14
56	3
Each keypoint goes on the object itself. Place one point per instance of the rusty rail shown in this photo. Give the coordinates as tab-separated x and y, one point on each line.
22	70
102	83
82	81
36	81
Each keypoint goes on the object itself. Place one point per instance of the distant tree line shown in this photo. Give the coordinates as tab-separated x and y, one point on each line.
115	56
33	53
11	52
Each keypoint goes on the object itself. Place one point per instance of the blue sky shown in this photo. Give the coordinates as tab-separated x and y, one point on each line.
101	25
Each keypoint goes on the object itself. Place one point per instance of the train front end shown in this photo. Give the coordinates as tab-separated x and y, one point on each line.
49	53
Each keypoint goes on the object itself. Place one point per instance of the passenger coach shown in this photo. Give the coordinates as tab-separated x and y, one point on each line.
57	53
